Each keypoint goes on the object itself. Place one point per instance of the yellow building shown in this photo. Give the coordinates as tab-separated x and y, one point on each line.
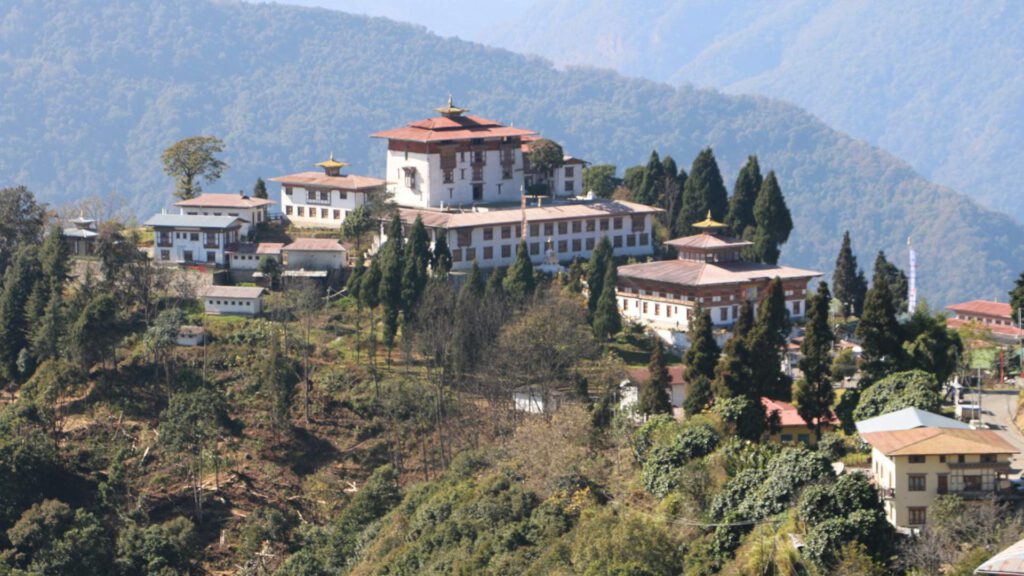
912	467
789	426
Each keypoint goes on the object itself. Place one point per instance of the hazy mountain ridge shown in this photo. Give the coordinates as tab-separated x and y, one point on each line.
940	85
95	94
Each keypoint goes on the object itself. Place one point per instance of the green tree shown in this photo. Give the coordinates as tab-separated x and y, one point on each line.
1017	299
600	179
879	330
414	272
92	335
259	190
703	191
29	464
50	538
652	187
544	157
54	256
745	320
356	225
698	396
702	355
519	282
19	281
276	379
189	429
744	194
474	283
672	198
164	549
271	268
848	280
910	389
597	267
898	283
375	498
21	222
391	266
653	393
930	346
48	334
607	321
633	178
441	258
773	314
773	220
814	395
191	159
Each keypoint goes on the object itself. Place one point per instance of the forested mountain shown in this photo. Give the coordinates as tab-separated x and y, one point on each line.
92	94
940	85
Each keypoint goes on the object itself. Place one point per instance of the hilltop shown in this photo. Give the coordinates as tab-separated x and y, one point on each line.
94	95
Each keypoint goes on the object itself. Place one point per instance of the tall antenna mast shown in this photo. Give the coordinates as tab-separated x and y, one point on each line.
912	281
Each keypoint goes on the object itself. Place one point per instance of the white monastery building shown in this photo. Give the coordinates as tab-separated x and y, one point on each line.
709	272
251	211
323	200
188	239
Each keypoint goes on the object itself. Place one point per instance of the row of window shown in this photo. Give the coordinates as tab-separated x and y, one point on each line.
316	196
465	235
325	213
561	247
209	237
646	307
165	256
246	303
258	213
960	458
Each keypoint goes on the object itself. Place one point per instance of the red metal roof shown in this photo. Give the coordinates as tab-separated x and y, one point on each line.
638	374
1004	330
451	128
349	182
315	245
788	415
983	308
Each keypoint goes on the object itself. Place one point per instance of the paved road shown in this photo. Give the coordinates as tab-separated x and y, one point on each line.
999	409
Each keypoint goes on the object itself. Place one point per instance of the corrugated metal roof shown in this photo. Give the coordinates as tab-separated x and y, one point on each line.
314	245
348	182
934	441
192	221
231	291
451	128
907	419
224	201
514	215
983	308
1008	562
689	273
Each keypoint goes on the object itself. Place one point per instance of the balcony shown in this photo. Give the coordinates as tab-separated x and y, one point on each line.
887	493
164	243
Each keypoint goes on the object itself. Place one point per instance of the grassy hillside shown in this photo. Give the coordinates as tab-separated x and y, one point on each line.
940	85
92	95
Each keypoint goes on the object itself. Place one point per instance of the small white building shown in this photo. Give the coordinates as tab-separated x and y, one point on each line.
535	400
190	239
629	389
323	200
81	236
233	300
247	256
322	254
190	336
251	211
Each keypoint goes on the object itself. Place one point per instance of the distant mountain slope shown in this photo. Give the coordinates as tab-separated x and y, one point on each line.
939	84
92	93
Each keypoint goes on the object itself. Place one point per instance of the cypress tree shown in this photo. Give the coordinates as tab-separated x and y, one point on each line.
670	180
899	285
698	395
600	258
607	322
814	393
441	259
1017	298
744	195
773	314
474	283
633	179
390	257
414	271
54	255
495	287
653	184
745	321
19	281
845	281
675	180
653	394
702	355
519	282
774	222
48	333
733	375
259	190
879	331
355	277
704	190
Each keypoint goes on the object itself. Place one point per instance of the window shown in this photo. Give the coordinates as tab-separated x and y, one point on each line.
534	248
917	516
591	224
796	308
193	236
449	177
645	239
488	233
342	195
534	229
465	237
988	458
563	227
325	196
563	246
488	252
972	483
630	240
604	223
506	251
409	176
590	243
506	172
960	458
723	314
786	437
568	172
324	212
638	223
569	186
288	210
165	255
288	190
644	306
478	173
804	438
916	482
942	458
576	245
506	232
918	459
577	226
617	242
300	212
617	223
457	255
211	257
337	214
549	229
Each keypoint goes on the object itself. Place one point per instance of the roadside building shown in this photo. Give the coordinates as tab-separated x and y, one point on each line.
908	419
233	300
191	239
791	426
987	316
912	467
251	211
324	199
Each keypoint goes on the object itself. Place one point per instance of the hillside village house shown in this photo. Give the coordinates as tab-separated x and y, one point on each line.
912	467
81	236
323	200
247	256
791	426
232	300
629	389
908	419
187	239
313	254
996	318
251	211
710	272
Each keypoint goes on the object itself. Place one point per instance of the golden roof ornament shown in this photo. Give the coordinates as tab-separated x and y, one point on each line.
331	163
451	109
707	223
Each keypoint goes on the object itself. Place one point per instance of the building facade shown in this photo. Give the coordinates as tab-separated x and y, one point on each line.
709	272
324	200
232	300
993	318
251	211
247	256
188	239
912	467
313	254
557	232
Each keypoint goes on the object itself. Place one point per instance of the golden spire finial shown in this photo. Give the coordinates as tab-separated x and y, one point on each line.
708	223
451	109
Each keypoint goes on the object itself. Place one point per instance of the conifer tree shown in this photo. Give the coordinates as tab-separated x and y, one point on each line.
19	281
414	271
745	320
653	393
48	333
474	283
698	396
653	184
607	322
845	279
391	267
600	258
675	180
899	285
1017	298
574	277
495	287
441	259
704	191
733	374
814	393
773	314
744	195
259	190
879	331
702	355
54	255
519	282
774	222
669	178
766	344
